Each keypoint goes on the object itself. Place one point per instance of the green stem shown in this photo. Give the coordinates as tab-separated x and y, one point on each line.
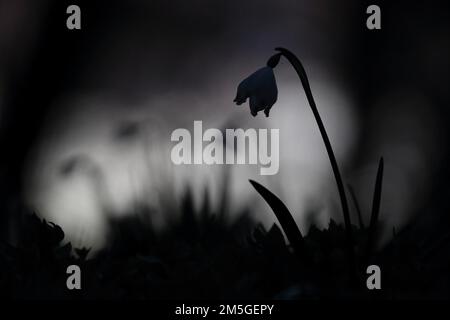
295	62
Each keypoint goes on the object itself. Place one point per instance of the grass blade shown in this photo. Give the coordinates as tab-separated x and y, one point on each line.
356	204
375	209
284	217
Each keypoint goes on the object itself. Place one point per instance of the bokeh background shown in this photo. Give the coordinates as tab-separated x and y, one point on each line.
86	115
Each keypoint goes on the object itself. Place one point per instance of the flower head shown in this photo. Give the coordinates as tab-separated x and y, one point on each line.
260	87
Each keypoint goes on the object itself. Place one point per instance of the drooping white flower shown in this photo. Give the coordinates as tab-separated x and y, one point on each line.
261	88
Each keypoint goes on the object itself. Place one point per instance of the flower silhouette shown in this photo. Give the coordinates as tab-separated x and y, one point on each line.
262	90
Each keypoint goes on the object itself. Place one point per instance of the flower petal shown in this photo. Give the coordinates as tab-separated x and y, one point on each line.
261	87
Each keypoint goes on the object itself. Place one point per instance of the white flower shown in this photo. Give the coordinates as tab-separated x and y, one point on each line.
262	90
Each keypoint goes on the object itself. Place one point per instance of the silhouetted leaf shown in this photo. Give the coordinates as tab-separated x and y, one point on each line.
284	217
375	209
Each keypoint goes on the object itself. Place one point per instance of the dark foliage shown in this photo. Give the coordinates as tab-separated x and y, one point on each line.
202	255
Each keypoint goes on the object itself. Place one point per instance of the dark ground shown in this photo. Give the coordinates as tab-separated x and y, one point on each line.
206	256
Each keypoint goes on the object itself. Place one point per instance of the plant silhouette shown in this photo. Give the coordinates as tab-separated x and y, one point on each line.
260	87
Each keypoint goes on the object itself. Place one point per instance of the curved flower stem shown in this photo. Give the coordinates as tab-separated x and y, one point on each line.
295	62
